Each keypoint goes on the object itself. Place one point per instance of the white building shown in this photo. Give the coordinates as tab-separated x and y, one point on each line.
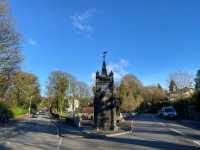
70	105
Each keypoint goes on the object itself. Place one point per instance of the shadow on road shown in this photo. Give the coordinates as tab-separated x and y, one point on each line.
49	128
20	128
2	147
137	142
164	145
152	144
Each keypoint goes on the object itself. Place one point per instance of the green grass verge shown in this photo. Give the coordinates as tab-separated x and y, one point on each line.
11	111
17	111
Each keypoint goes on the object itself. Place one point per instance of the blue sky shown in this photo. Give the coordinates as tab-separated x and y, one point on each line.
147	38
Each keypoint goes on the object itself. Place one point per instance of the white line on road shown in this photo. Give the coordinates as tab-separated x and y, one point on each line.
117	134
75	136
162	124
166	124
59	144
57	129
179	132
58	136
196	142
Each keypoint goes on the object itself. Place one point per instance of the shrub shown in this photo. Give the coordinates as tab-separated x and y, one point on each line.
181	106
196	98
5	111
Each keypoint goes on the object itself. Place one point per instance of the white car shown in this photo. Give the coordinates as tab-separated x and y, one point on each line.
168	112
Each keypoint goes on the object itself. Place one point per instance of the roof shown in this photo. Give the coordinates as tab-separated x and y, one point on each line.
88	109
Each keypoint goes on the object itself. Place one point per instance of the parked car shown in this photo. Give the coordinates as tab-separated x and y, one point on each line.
33	115
127	116
168	113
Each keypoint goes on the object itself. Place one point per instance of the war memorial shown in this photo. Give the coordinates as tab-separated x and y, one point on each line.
104	101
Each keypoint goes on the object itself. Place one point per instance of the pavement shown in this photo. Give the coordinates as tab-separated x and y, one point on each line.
150	133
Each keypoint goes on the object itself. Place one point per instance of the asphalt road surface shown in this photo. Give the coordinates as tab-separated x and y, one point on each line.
150	133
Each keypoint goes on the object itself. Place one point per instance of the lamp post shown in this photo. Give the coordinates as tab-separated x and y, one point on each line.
71	95
29	109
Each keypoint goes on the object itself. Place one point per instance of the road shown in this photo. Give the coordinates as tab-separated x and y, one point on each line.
150	133
31	134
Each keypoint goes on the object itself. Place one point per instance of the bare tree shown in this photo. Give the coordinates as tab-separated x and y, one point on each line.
57	89
82	89
10	55
181	78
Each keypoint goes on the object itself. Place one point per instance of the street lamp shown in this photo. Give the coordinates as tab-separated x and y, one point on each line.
29	109
71	95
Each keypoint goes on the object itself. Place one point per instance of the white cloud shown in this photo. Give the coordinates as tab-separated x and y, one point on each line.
93	76
32	42
119	69
124	62
82	21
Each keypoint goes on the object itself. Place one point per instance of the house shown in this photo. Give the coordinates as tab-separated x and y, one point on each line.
73	105
180	94
88	111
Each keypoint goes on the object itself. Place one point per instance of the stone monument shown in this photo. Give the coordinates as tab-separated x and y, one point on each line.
104	102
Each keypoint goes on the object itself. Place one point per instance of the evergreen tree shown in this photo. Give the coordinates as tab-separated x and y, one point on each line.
197	81
197	88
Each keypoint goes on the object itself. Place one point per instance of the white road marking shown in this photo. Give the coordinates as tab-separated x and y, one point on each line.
59	144
57	129
58	135
117	134
179	132
162	124
166	124
196	142
75	136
